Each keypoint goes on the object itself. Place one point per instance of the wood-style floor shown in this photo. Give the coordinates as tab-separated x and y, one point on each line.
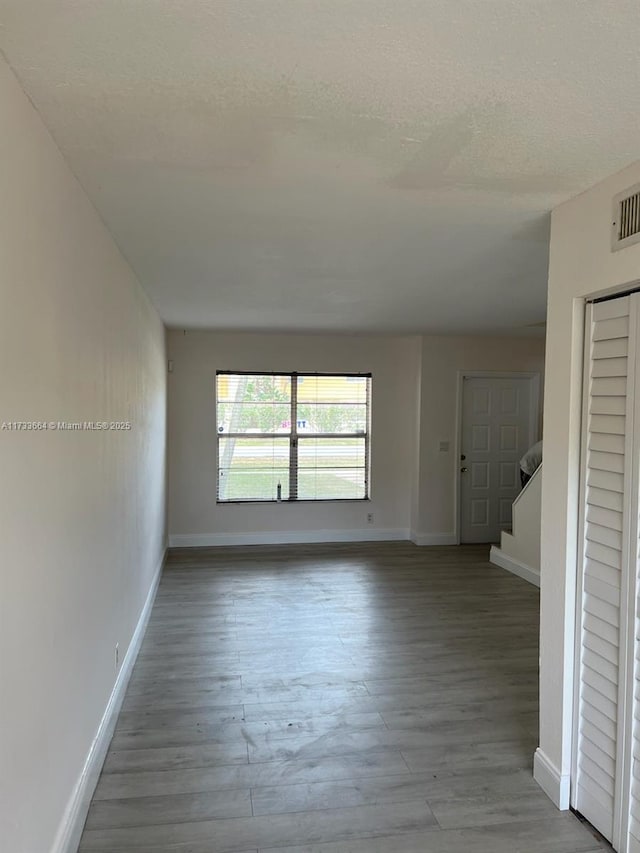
377	698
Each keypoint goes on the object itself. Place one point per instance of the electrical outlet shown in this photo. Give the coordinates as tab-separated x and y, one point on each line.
117	656
369	518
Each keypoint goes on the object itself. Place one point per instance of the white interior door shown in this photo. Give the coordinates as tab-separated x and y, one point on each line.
605	786
498	426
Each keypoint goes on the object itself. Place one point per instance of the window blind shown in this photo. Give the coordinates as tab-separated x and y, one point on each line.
293	436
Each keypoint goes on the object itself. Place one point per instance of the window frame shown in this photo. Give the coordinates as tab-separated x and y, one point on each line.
293	437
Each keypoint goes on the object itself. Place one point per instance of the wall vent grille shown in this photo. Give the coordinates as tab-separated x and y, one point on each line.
626	218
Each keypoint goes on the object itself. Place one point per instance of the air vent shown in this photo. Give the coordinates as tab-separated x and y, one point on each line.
626	218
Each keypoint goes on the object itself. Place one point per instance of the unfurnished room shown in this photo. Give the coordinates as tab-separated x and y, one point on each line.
319	426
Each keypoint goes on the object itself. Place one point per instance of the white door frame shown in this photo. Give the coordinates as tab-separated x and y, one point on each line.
630	650
535	423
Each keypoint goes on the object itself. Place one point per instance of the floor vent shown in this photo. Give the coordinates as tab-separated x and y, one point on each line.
626	218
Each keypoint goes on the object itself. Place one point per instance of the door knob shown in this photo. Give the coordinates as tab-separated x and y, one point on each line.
463	470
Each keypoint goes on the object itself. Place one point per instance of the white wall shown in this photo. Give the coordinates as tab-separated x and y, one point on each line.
581	264
413	408
443	358
82	513
194	517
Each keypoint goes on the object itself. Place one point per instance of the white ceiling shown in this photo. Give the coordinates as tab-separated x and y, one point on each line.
363	165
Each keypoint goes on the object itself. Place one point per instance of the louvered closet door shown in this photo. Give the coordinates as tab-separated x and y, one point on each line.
599	763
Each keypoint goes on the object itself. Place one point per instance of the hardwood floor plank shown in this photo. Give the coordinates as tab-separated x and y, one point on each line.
460	812
473	755
171	758
215	778
428	703
156	688
143	718
438	737
416	684
560	836
227	835
390	789
178	808
193	728
473	713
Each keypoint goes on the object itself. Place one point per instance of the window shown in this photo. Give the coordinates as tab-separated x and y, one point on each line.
292	436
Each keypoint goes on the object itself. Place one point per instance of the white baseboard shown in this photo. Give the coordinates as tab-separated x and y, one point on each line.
433	538
499	558
70	829
287	537
553	783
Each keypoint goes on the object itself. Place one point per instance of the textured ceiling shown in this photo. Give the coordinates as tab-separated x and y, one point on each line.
361	165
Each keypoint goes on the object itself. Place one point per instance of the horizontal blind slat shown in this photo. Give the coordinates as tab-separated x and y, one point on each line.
610	367
610	519
608	424
604	554
610	386
602	721
617	327
600	628
607	612
594	678
606	442
615	348
604	536
611	308
604	573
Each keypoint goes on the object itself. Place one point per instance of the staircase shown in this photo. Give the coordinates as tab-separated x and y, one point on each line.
519	551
